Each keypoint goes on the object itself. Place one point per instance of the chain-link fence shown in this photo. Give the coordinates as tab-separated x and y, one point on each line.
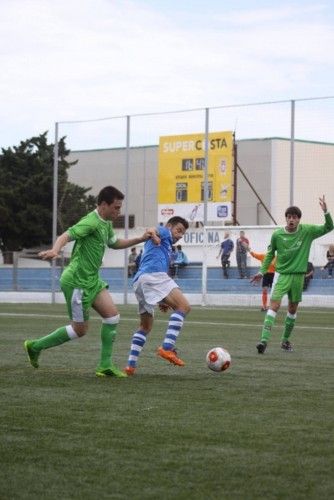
284	155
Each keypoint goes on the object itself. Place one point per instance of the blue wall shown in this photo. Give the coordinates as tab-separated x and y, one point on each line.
189	279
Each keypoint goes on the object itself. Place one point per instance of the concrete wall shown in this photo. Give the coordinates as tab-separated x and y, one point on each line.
254	158
99	168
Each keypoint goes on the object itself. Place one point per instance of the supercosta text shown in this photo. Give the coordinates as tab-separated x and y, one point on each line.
199	145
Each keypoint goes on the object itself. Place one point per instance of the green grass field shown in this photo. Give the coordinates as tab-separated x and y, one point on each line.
262	430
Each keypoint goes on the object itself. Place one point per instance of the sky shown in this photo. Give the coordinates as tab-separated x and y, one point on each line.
89	59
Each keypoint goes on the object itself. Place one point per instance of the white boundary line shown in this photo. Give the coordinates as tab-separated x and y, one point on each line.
188	322
218	299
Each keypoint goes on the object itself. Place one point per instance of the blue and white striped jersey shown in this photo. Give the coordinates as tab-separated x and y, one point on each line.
156	258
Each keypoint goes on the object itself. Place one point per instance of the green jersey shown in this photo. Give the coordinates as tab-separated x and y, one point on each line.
91	235
293	249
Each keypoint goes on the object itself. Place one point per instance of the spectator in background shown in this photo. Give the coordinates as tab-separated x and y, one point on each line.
132	262
330	261
267	279
226	248
309	275
180	260
241	249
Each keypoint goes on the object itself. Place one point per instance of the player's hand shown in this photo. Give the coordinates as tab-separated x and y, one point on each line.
322	203
151	233
48	254
163	307
256	278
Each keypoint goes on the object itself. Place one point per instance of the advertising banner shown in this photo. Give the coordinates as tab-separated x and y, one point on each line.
182	175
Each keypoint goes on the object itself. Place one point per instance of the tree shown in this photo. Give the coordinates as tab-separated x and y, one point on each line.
26	194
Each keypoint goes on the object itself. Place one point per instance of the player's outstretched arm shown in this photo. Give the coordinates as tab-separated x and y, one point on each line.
323	204
53	252
150	233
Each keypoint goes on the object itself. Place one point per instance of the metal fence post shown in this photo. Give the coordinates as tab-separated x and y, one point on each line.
15	270
206	170
292	153
54	213
126	215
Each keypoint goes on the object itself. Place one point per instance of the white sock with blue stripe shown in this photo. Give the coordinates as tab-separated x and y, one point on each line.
137	344
174	327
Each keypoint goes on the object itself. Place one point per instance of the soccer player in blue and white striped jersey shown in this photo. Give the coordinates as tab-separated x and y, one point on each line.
153	286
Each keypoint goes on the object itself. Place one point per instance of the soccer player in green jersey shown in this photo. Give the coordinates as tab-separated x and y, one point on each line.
80	281
292	247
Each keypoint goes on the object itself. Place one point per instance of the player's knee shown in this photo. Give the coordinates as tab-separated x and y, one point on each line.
80	329
112	320
274	306
186	308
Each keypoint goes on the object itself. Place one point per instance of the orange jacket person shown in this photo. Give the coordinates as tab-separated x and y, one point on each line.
267	279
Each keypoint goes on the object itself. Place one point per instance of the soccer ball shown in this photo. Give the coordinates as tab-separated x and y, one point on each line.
218	359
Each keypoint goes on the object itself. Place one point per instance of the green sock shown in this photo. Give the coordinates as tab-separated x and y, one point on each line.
108	334
57	337
267	326
288	326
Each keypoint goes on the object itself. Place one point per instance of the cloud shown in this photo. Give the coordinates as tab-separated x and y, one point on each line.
274	14
88	59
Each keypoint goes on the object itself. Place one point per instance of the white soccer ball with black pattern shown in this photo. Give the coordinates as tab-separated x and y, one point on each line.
218	359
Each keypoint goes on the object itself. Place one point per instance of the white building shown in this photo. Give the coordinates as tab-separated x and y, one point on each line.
265	163
265	184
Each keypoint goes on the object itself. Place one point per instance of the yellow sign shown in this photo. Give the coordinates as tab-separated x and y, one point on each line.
182	175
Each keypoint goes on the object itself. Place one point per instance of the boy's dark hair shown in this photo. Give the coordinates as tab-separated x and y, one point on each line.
178	220
293	211
109	194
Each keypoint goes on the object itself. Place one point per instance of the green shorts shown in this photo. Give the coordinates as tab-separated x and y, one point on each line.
288	284
80	300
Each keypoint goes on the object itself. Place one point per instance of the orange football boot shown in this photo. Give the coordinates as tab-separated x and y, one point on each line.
129	370
170	356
